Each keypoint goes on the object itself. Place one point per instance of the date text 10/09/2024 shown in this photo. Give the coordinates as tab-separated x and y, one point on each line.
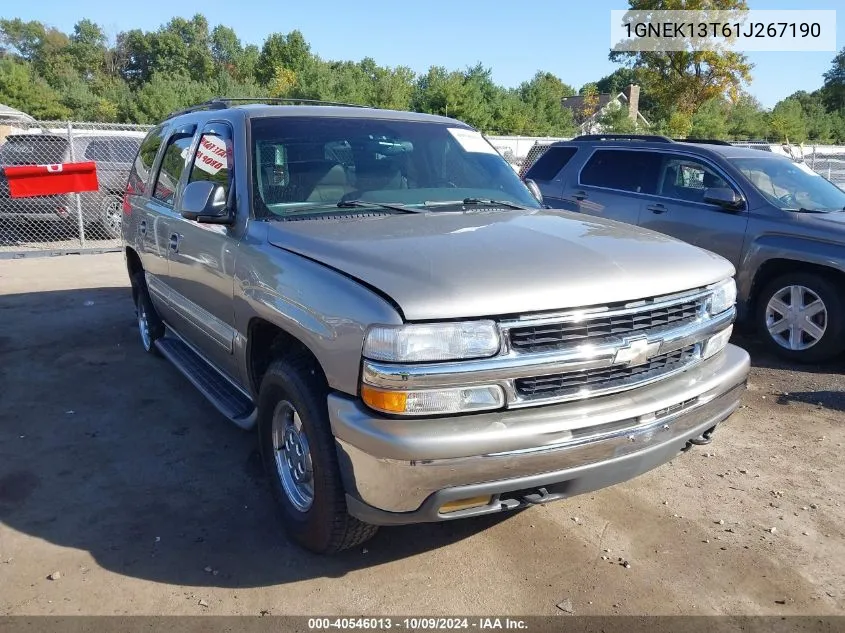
417	624
671	30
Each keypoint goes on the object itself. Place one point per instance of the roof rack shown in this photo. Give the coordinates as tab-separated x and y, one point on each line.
221	103
654	138
703	141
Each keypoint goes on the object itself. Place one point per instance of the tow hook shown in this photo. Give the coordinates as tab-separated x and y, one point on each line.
704	439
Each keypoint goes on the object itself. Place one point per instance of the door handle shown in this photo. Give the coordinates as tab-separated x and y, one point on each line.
657	208
174	242
142	227
580	195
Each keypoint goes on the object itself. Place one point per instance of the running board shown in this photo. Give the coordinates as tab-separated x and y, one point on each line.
219	390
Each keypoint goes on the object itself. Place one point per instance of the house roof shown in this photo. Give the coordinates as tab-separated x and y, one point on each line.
576	104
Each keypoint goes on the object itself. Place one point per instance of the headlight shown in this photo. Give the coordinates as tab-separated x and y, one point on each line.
723	297
433	401
432	341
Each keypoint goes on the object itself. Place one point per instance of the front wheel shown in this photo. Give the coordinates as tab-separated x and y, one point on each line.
299	456
800	317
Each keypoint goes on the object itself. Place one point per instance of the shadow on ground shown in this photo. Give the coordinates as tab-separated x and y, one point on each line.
107	449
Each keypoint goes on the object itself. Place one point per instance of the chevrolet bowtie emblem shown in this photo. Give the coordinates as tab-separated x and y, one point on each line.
636	352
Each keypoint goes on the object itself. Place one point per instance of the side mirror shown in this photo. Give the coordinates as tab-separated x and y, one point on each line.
724	197
534	189
205	202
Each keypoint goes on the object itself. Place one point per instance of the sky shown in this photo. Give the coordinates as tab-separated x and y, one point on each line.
569	38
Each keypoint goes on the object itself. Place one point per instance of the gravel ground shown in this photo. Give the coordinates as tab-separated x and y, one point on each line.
123	492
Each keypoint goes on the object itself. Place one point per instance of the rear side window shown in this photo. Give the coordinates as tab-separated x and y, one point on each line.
172	166
123	150
624	170
139	176
98	151
550	163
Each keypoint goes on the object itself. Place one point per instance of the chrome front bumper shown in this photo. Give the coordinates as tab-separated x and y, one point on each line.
403	470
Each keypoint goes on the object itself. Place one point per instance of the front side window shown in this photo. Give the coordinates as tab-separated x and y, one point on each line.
300	165
172	165
791	186
687	179
213	159
624	170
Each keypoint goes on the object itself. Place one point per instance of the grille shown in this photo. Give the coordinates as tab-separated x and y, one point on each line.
570	383
538	338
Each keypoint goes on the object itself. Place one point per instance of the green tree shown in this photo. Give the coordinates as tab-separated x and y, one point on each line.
684	80
289	51
710	120
787	122
746	119
543	95
21	88
834	83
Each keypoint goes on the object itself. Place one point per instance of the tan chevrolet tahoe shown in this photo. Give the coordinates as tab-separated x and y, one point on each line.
412	334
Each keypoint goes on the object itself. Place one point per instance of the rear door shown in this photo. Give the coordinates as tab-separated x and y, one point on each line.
678	207
613	183
143	223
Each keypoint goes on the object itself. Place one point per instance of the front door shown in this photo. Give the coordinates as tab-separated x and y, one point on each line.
202	256
679	208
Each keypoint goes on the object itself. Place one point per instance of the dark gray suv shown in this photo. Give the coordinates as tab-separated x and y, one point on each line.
781	224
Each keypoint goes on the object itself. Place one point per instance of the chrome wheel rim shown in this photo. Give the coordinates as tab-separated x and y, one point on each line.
144	326
796	318
293	456
113	217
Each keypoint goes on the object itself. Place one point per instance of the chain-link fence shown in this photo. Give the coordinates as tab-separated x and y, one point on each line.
76	222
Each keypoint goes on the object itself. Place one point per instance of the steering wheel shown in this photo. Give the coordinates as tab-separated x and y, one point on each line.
788	198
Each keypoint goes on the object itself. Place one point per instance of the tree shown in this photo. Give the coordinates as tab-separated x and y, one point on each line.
543	95
289	51
834	83
787	122
615	120
710	120
746	119
21	88
684	80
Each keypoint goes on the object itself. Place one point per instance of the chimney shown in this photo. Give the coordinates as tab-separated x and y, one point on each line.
632	94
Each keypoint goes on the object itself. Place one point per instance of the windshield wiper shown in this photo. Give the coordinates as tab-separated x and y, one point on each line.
358	204
477	202
805	210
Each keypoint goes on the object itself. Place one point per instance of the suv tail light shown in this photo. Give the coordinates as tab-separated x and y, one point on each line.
127	208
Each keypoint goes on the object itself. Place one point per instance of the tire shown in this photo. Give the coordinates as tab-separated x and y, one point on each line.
815	337
293	389
150	325
111	217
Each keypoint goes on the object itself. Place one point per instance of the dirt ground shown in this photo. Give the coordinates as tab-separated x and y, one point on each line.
115	473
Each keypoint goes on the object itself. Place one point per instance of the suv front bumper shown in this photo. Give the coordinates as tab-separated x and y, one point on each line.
399	471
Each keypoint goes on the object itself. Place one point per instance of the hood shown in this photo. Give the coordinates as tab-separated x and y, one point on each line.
444	265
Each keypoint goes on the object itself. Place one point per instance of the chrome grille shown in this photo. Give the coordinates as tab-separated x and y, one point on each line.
544	337
569	384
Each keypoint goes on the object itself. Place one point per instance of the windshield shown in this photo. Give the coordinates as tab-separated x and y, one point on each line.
305	165
791	186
